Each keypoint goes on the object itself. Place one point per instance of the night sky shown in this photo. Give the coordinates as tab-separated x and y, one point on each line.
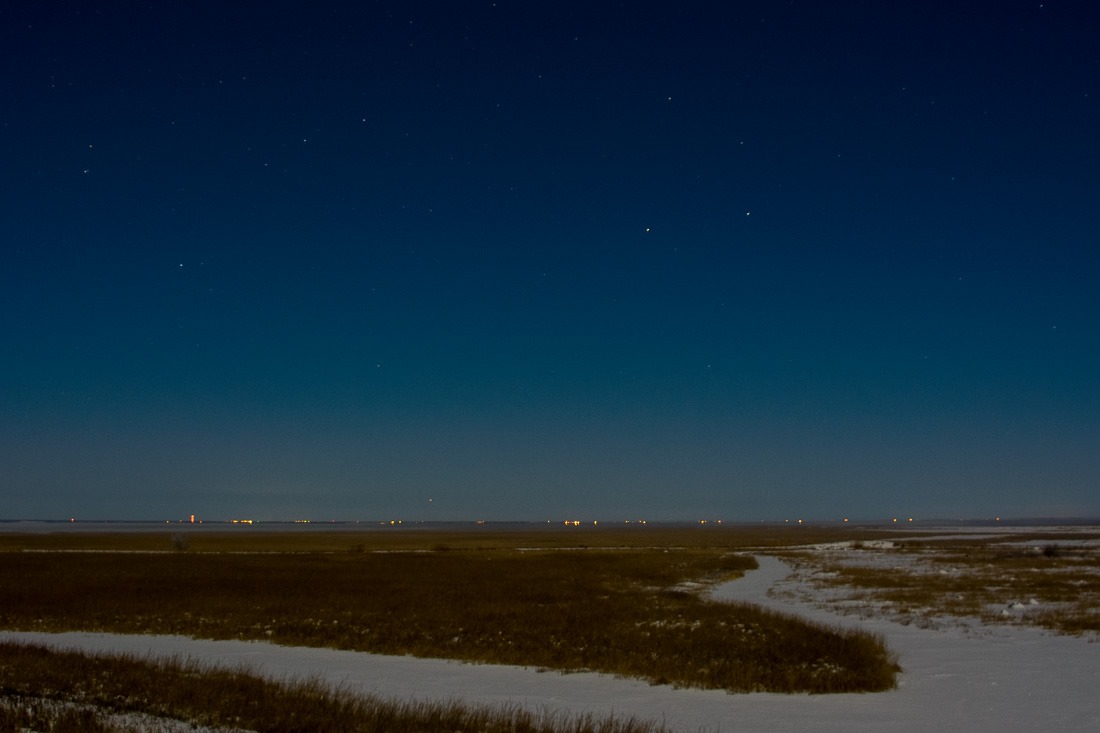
545	260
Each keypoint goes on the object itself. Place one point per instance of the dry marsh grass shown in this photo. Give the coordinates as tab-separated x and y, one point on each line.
1041	579
623	611
96	686
256	539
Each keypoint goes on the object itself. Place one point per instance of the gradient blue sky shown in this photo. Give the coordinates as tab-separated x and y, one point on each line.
537	260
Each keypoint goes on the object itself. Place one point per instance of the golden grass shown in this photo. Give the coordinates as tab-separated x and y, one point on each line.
615	610
221	537
1040	579
100	684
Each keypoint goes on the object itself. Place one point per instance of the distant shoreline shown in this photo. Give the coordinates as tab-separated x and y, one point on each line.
128	525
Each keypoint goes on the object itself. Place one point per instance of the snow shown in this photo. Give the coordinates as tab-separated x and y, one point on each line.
1006	679
122	721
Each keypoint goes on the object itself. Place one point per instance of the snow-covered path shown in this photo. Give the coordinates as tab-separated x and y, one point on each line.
1015	680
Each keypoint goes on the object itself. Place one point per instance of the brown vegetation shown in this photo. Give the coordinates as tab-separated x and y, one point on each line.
101	684
1029	579
622	611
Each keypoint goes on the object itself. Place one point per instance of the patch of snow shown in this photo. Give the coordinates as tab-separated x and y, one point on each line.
1062	542
123	721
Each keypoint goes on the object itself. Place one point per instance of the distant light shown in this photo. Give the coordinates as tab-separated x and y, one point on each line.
845	519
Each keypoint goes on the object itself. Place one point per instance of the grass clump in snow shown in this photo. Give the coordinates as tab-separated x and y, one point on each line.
1027	580
96	687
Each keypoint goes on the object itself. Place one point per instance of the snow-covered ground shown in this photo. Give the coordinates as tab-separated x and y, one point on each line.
1010	679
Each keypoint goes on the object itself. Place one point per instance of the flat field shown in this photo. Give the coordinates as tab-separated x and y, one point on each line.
624	602
638	602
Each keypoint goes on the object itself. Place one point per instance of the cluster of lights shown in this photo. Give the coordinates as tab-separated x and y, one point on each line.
596	522
845	520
